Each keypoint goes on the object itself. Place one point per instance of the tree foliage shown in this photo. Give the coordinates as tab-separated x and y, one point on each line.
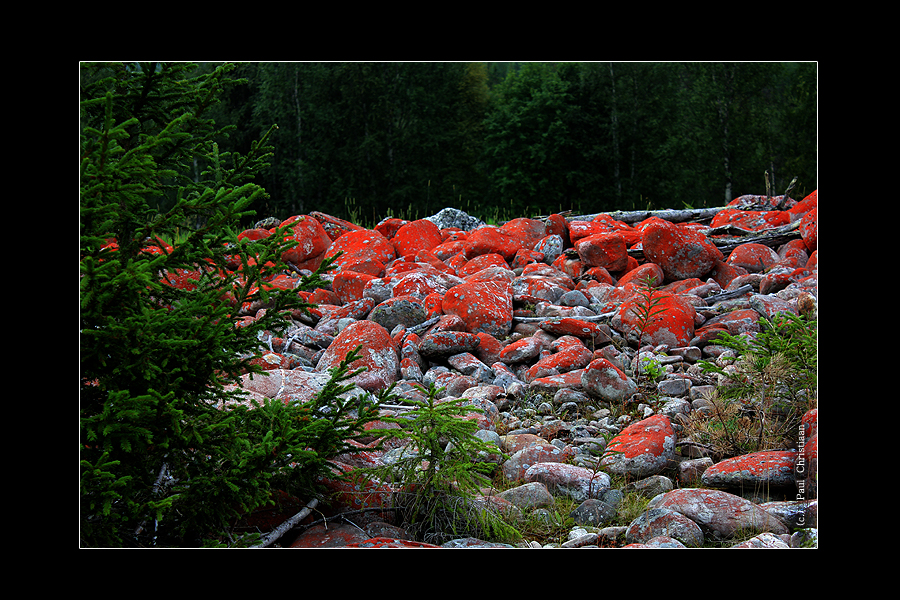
384	136
169	453
502	140
440	471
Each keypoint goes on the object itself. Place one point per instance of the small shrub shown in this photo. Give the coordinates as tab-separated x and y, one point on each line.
644	311
441	477
763	395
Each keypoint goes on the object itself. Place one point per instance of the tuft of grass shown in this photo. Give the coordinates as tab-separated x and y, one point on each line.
761	397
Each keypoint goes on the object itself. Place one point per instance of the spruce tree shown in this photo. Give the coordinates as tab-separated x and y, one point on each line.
168	455
441	471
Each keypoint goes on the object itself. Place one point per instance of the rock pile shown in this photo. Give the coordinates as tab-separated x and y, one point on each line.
535	319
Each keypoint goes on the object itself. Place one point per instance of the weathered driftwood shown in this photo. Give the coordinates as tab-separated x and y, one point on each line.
774	237
673	215
736	293
269	538
551	319
770	237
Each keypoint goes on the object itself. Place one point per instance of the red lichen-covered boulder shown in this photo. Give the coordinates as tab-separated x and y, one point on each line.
484	306
681	252
453	234
441	344
433	304
684	286
491	240
570	266
421	283
321	296
332	535
526	257
794	254
416	235
528	232
312	242
606	381
386	542
651	271
593	335
674	325
378	354
757	470
449	323
751	220
349	285
494	273
724	273
368	266
571	354
272	360
489	348
291	385
357	309
449	249
427	257
254	234
183	279
389	226
361	245
642	449
777	281
804	206
607	250
481	262
809	229
557	225
541	287
753	257
709	334
523	350
603	223
664	522
552	383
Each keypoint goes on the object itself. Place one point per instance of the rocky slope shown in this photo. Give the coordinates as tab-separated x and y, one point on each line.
535	322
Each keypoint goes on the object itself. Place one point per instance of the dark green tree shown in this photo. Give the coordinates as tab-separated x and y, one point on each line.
364	140
728	130
607	136
799	127
441	471
169	454
527	139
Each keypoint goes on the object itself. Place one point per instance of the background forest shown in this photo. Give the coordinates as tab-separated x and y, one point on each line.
363	141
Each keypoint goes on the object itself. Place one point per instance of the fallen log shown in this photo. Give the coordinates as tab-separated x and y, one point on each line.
736	293
672	215
550	319
773	237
